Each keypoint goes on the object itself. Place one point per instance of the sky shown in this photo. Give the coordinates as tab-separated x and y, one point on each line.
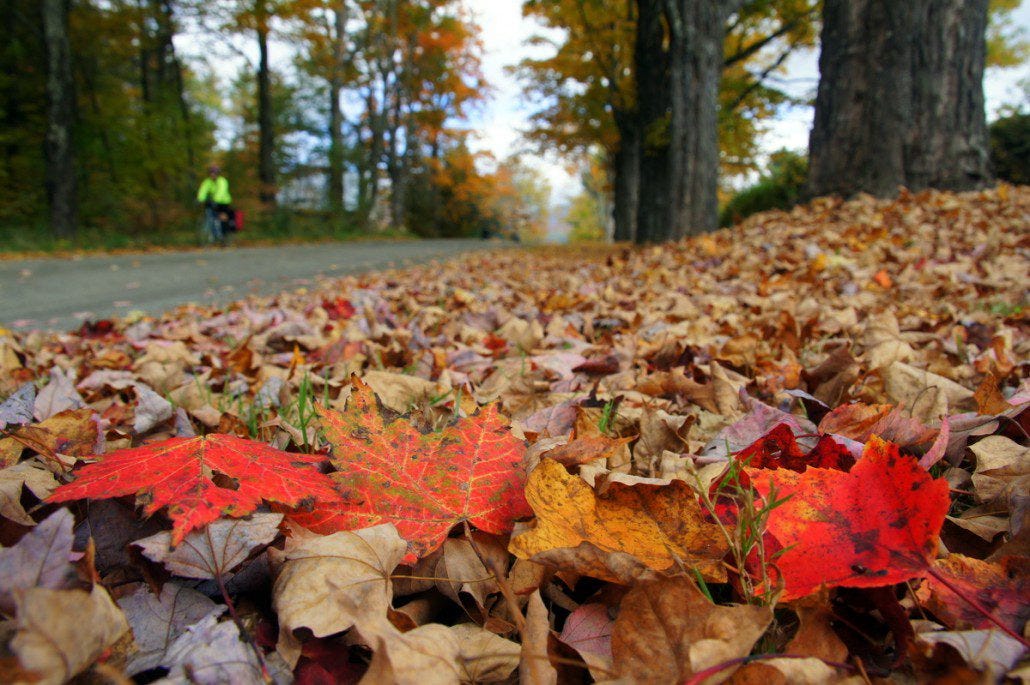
505	32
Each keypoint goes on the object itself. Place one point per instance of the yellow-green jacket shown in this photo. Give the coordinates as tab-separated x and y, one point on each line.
216	190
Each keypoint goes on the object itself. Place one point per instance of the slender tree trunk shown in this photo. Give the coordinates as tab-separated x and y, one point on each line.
335	178
266	131
626	178
651	63
900	99
59	151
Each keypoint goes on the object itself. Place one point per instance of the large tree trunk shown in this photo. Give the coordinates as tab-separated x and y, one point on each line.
679	64
948	146
266	130
626	178
58	148
900	99
695	69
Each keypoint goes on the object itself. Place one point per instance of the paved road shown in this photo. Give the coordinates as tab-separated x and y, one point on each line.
59	294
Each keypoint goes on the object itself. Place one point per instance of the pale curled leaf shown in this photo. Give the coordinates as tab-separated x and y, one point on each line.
151	409
534	663
484	657
56	396
210	653
433	653
1001	465
985	650
215	549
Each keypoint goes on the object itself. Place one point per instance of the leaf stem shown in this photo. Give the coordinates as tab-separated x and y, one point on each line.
701	676
244	635
973	602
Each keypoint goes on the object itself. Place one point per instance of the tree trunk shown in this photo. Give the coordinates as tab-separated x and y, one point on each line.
651	62
679	64
900	99
60	154
335	179
948	145
697	29
626	178
266	131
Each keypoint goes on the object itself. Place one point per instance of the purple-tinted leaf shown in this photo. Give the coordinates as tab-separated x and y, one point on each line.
588	629
40	559
157	621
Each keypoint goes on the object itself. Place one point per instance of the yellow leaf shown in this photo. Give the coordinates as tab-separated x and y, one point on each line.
660	526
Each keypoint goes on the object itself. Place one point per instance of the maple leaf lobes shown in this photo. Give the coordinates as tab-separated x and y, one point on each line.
873	526
178	473
424	484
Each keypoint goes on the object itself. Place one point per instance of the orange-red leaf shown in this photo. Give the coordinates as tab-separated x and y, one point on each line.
876	525
422	483
200	479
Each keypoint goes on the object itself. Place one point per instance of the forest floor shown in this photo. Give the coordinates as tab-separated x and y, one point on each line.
790	451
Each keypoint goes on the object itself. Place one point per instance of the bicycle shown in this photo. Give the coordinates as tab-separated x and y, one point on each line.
211	229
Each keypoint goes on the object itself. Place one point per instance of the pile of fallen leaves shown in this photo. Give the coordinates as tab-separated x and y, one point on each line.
790	452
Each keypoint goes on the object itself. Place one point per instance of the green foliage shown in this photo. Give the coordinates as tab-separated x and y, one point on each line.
589	211
780	187
1007	45
1010	148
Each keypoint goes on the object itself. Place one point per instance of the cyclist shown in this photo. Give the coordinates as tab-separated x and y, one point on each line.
214	194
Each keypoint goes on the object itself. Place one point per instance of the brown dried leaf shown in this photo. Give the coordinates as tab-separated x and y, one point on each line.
61	632
667	631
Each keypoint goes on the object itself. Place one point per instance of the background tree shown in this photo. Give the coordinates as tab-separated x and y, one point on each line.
587	93
679	62
900	99
60	153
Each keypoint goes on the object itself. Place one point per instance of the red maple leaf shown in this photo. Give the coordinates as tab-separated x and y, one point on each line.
200	479
780	449
422	483
876	525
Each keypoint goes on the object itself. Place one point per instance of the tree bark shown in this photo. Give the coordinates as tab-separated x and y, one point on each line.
697	30
266	128
626	178
900	100
335	180
651	63
61	182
